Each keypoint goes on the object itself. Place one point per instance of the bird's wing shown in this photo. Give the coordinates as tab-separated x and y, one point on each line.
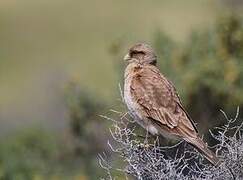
159	101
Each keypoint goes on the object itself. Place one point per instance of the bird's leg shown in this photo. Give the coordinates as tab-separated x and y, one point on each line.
156	141
146	138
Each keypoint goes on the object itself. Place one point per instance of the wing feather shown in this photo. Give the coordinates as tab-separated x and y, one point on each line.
160	102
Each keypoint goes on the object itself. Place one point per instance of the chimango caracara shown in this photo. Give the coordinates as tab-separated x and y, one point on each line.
153	102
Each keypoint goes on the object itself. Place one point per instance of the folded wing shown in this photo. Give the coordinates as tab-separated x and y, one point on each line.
160	102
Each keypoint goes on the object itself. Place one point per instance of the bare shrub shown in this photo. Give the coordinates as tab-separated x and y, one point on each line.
147	159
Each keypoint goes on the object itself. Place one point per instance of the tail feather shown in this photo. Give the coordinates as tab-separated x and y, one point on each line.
203	149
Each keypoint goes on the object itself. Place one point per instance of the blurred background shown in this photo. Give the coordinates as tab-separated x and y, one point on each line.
61	62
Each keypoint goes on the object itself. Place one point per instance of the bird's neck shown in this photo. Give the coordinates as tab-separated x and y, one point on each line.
133	68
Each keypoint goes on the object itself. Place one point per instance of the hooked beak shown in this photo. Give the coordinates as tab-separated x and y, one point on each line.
127	57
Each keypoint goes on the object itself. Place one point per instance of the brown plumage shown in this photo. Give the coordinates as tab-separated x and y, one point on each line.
153	102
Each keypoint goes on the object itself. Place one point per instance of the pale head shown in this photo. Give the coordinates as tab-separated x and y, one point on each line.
141	53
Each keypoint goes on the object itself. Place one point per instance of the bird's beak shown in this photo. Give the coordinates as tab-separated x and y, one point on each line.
127	57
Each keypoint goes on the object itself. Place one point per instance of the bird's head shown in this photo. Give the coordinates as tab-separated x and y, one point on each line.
141	53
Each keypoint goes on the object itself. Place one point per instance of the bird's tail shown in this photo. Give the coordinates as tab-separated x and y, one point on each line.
202	148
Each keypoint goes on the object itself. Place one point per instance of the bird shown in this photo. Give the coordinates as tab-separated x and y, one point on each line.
154	103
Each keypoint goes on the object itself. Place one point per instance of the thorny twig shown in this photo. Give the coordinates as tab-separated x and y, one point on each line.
151	161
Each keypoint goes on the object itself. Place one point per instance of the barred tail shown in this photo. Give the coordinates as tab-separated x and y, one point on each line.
203	149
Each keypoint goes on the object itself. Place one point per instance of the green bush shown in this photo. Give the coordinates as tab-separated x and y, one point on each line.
207	69
35	153
27	154
88	135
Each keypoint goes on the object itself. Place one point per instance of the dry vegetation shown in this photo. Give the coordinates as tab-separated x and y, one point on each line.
146	159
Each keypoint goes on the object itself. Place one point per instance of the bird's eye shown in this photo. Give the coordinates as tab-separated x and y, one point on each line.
137	53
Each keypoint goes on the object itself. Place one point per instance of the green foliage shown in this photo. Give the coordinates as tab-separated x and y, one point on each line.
207	69
84	110
26	155
88	131
38	154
